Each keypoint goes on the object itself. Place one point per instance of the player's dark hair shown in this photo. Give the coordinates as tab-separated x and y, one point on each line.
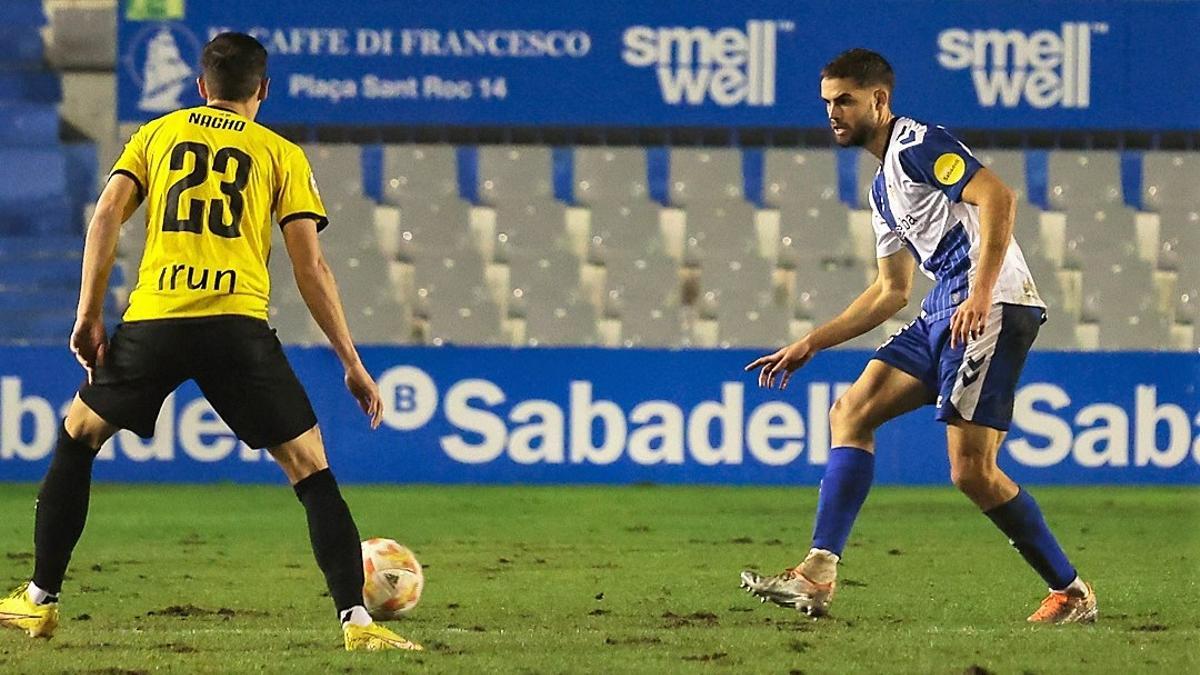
865	67
233	64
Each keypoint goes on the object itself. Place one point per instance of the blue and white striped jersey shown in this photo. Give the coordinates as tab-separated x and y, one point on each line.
916	202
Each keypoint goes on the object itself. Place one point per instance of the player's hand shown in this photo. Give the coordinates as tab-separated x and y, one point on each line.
782	363
89	343
970	318
362	386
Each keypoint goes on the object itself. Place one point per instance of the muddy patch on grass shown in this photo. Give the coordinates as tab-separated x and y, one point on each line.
1150	628
179	648
443	648
673	620
634	641
975	669
191	611
20	555
716	656
598	612
800	646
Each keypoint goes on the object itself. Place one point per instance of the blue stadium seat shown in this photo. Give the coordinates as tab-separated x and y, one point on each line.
22	13
23	47
28	124
33	192
37	248
42	327
23	85
35	274
28	174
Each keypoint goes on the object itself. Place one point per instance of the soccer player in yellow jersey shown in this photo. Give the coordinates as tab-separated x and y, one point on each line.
215	183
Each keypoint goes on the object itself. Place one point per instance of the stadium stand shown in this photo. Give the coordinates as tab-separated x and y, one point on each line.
617	245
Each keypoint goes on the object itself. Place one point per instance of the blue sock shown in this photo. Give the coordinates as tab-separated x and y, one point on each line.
844	488
1021	519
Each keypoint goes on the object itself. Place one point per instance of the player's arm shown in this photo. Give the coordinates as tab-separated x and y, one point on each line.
997	210
881	300
319	290
117	202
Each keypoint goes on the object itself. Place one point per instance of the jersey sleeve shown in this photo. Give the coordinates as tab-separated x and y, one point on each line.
298	196
886	241
940	160
132	162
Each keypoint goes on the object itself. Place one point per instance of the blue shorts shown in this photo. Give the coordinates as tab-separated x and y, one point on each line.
974	382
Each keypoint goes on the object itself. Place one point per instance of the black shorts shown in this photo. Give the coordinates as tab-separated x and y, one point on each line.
236	360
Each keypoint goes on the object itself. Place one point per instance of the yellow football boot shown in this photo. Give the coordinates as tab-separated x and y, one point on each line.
18	611
375	638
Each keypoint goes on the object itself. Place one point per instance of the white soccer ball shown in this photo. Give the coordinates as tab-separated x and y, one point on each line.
393	579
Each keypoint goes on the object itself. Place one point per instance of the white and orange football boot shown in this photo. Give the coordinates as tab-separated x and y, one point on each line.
808	587
1067	606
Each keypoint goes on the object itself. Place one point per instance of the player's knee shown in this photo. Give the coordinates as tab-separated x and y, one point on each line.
972	477
301	457
85	426
850	415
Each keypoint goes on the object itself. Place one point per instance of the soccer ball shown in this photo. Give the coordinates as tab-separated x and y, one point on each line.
393	579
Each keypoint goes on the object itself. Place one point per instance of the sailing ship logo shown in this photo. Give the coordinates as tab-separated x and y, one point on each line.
161	62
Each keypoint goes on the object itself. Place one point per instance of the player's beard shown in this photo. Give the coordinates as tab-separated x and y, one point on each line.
859	135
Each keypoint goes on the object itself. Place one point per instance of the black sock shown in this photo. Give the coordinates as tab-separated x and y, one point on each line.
62	508
334	538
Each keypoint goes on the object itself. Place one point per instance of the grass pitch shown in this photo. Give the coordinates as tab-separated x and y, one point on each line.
644	579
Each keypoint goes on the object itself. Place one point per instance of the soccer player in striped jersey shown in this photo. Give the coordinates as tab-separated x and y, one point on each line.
936	208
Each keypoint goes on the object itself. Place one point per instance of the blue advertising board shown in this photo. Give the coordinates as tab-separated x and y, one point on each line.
1005	64
474	415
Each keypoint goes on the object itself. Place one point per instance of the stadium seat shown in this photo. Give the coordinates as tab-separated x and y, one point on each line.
610	175
1009	166
384	323
73	40
745	279
337	169
28	124
720	230
474	323
653	327
1180	248
639	281
822	292
414	174
811	231
531	226
547	273
627	227
1170	180
705	175
433	225
1082	179
514	174
362	277
571	321
40	247
30	86
36	274
801	178
764	328
51	327
454	279
865	168
1102	228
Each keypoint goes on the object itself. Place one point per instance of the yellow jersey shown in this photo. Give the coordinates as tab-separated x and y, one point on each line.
213	181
